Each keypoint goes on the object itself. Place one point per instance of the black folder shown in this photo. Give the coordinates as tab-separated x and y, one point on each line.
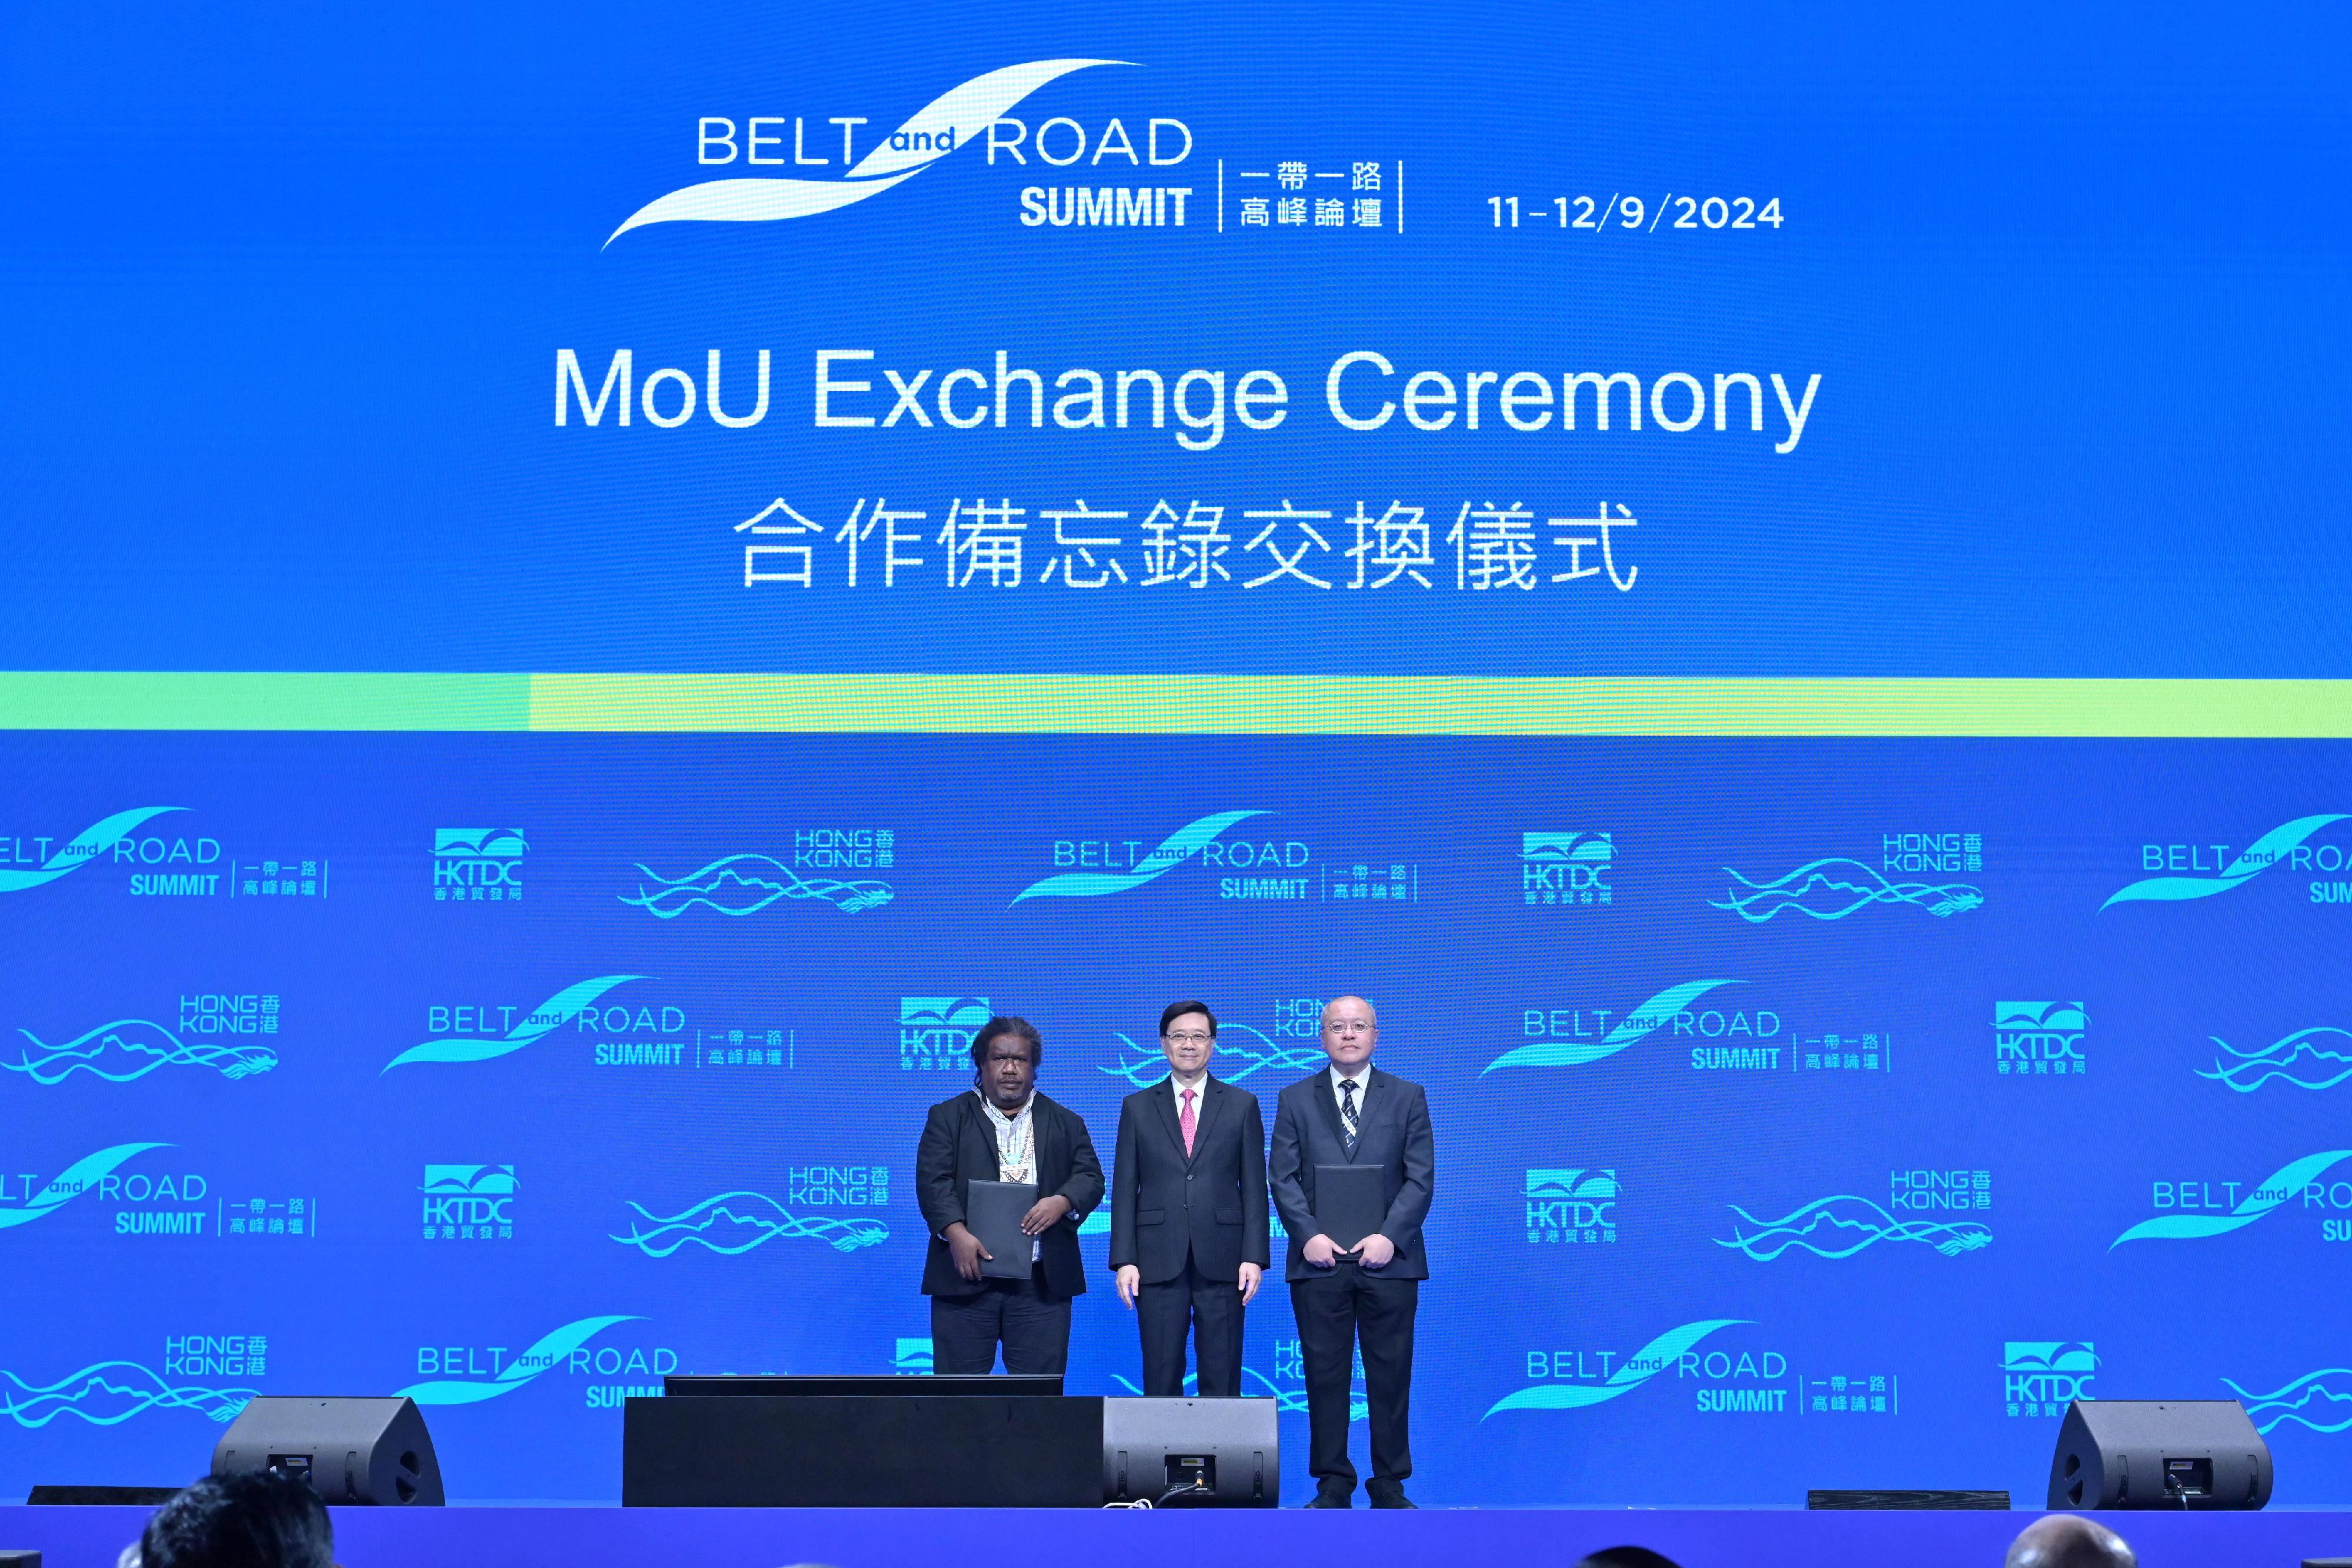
1349	1203
993	1211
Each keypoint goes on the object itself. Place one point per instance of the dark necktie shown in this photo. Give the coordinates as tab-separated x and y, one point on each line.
1348	1113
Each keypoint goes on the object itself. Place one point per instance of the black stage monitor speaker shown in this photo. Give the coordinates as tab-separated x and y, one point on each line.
1209	1453
350	1451
2158	1453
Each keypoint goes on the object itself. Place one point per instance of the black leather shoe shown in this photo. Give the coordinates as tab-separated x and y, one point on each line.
1392	1500
1332	1500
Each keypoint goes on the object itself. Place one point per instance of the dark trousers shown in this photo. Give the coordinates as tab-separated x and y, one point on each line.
1210	1311
1033	1328
1334	1311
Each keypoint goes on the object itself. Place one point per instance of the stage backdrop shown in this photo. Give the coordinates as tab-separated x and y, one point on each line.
1476	492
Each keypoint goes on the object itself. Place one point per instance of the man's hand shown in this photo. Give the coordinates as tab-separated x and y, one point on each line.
1320	1251
1130	1280
966	1249
1251	1275
1044	1213
1375	1252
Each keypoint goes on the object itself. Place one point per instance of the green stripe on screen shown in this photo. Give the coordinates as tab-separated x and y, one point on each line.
1173	704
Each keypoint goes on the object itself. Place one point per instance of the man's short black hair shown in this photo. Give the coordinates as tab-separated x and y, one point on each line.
997	1027
1175	1010
267	1520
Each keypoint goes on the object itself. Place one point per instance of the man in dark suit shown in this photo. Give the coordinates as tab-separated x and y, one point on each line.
1004	1130
1345	1288
1188	1228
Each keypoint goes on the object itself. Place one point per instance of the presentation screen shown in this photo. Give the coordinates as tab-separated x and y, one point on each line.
592	588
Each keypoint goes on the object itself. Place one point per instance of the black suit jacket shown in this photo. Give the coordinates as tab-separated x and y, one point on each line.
959	1147
1394	1135
1211	1205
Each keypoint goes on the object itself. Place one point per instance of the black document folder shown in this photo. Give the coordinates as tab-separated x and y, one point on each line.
993	1211
1349	1203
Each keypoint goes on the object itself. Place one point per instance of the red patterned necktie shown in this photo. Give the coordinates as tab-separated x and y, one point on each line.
1185	1121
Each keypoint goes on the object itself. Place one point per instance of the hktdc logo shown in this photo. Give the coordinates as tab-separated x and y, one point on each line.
476	865
1561	870
2038	1038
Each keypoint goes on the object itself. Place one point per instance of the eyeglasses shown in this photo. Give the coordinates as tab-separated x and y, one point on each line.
1188	1037
1351	1026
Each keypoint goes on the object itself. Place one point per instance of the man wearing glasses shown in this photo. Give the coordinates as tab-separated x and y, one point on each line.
1188	1224
1350	1113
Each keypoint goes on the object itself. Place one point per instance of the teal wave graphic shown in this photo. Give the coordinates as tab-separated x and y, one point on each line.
1842	1224
1571	1186
547	1354
551	1014
1287	1401
1835	887
1174	851
959	114
1143	1065
2297	1059
1631	1373
469	1181
2286	1182
479	843
2043	1017
2255	859
130	1049
109	1392
2321	1401
747	884
1632	1030
72	1182
2066	1355
86	846
733	1223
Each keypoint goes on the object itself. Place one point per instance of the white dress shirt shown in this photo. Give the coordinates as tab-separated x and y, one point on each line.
1016	1150
1199	1091
1362	1078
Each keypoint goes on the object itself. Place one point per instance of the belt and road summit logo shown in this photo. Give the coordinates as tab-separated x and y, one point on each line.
214	1033
1836	886
1713	1036
1744	1380
484	1032
1844	1223
1572	1205
2308	1058
2195	1211
1291	1048
471	1374
138	1202
476	865
28	861
1561	870
978	111
469	1203
749	882
200	1372
2187	870
2043	1376
734	1223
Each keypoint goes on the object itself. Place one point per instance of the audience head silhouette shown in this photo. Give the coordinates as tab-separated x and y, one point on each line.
1627	1557
266	1521
2065	1541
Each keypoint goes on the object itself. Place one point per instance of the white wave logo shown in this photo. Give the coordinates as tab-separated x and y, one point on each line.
949	122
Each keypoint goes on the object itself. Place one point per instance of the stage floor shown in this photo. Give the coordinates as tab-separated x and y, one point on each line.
926	1539
557	1537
